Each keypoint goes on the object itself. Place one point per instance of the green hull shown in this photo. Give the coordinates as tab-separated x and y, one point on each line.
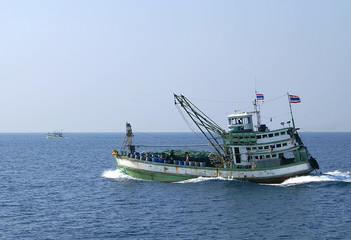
154	176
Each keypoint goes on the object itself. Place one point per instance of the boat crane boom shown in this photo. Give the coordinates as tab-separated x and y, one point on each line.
205	124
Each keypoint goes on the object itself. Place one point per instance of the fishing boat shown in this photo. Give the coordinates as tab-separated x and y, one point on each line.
54	135
244	151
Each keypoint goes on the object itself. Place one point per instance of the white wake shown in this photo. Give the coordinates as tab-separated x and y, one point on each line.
335	176
202	179
116	174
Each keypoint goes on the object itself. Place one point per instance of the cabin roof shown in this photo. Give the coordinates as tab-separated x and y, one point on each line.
242	114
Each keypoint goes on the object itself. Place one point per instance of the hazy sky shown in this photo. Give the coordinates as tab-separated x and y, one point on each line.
90	66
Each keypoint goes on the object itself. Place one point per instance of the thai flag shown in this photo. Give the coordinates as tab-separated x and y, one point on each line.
259	96
294	99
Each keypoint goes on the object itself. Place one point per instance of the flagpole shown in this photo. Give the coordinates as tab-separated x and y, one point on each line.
292	116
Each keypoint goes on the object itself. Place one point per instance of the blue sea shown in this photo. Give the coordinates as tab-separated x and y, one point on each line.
70	188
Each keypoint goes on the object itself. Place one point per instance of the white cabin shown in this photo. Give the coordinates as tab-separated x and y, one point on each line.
240	122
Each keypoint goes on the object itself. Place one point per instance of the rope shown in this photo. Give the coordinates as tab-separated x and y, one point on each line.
276	98
189	125
215	101
200	145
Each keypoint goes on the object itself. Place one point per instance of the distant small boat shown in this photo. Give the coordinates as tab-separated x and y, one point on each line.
54	135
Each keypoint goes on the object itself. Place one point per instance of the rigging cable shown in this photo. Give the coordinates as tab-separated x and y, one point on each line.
189	125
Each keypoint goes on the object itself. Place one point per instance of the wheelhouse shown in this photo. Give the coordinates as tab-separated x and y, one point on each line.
240	122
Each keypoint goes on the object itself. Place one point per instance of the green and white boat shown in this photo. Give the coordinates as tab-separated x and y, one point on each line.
54	135
243	152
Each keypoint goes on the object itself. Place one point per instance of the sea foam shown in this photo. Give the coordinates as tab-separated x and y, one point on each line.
116	174
334	176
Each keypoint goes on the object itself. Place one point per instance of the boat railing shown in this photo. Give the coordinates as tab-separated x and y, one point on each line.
160	159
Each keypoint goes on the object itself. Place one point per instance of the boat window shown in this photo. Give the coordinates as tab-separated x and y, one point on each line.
248	148
276	134
270	135
261	157
254	148
237	155
238	120
283	133
279	145
258	136
264	136
274	155
266	147
285	144
289	155
268	156
260	148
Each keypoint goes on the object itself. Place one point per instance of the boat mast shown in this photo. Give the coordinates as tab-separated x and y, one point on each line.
128	139
292	116
257	110
129	134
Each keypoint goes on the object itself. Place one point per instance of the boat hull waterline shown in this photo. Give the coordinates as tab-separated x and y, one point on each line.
174	173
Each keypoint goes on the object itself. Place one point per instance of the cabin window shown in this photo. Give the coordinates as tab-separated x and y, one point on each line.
268	156
289	155
276	134
248	148
254	148
283	133
264	136
237	120
260	148
270	135
261	157
285	144
274	155
247	120
266	147
279	145
258	136
237	155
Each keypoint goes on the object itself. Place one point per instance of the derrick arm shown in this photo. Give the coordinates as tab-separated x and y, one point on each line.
205	124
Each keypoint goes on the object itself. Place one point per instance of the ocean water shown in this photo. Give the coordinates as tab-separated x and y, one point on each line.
70	188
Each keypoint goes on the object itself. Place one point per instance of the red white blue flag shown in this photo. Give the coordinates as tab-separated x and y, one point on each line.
294	99
259	97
